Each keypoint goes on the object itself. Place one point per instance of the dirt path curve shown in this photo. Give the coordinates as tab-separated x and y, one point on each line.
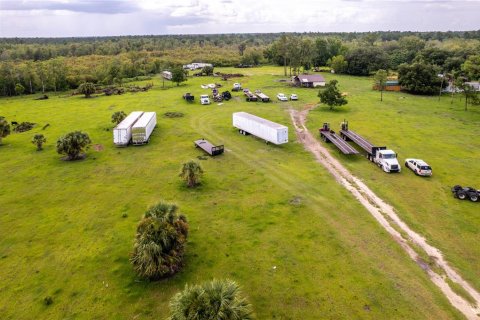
390	221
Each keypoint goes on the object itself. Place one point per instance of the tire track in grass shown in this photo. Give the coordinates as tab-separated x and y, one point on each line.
285	181
386	215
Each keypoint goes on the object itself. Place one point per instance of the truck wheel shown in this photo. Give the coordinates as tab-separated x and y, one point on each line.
461	195
385	169
474	197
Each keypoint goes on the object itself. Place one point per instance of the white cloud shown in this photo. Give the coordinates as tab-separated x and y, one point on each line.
121	17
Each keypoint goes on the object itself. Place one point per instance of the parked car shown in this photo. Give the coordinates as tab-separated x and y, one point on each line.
282	97
293	96
420	167
204	99
463	193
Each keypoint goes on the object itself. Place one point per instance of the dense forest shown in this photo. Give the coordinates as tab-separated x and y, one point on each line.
29	65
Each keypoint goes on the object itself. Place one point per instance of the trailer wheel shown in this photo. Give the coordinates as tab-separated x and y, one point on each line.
473	197
461	195
240	131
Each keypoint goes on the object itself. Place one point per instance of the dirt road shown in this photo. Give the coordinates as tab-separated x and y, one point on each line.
385	214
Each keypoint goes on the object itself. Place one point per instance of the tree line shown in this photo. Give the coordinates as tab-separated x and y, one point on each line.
67	63
47	48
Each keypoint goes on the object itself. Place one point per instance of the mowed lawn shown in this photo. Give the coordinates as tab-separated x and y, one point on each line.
268	217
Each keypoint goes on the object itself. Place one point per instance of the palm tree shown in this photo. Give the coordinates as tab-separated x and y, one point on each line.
217	299
191	173
38	140
4	128
160	242
118	117
73	144
87	88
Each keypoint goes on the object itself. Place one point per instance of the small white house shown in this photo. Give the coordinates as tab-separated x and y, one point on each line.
454	89
474	84
196	65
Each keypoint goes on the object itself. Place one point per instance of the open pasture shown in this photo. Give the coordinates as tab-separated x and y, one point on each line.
266	216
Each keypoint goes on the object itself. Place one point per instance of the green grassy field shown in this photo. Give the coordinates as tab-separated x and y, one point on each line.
439	132
266	216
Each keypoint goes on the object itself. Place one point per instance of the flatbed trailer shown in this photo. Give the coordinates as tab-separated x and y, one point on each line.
262	96
208	147
330	136
250	96
349	135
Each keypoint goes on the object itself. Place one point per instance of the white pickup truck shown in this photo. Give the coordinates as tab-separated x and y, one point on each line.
204	99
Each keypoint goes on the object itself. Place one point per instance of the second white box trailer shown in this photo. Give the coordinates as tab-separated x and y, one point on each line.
143	128
247	123
122	133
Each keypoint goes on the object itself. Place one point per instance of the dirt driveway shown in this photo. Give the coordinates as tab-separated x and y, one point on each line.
390	221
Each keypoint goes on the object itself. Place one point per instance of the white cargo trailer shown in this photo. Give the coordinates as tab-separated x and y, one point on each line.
143	128
269	131
122	133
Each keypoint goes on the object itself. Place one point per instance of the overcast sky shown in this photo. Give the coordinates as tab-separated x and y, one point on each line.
68	18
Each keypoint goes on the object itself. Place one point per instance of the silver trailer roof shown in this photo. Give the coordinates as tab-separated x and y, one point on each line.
144	120
129	120
266	122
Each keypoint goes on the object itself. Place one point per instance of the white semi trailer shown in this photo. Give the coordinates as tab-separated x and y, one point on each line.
122	133
247	123
143	128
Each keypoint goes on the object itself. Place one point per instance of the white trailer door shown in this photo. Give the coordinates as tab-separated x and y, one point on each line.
282	135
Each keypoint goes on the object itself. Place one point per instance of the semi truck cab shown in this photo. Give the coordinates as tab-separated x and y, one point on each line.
387	160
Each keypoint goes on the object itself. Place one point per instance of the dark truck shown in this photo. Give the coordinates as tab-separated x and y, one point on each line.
463	193
188	97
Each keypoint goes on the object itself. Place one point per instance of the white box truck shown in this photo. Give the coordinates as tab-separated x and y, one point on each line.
247	123
143	128
122	133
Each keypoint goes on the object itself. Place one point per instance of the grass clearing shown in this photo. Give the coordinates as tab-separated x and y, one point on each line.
443	135
266	216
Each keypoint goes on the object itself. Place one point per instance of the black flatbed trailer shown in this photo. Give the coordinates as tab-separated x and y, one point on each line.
208	147
349	135
330	136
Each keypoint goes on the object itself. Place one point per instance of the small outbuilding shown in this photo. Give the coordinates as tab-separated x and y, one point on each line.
309	80
390	85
